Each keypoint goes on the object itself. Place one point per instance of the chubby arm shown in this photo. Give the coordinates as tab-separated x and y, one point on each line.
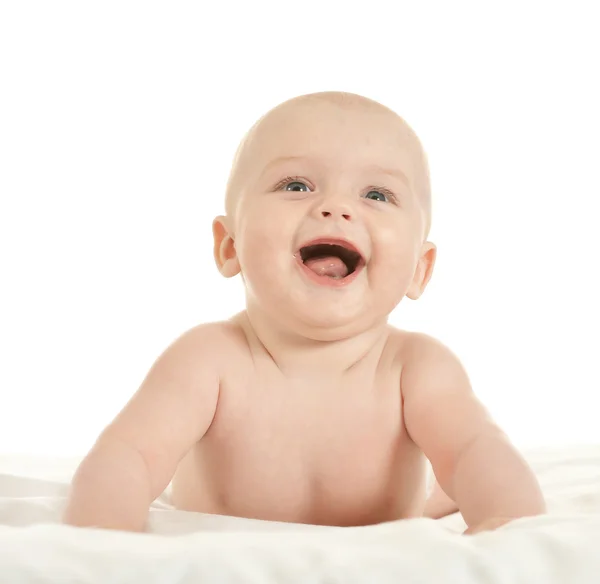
473	460
136	456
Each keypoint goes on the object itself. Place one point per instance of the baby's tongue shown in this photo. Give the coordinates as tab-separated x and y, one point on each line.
331	266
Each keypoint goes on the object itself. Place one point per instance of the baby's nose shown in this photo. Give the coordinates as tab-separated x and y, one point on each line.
336	209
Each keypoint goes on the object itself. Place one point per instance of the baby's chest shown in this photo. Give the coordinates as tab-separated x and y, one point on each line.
305	416
347	439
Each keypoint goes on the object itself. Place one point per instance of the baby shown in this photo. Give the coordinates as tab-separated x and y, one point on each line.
308	406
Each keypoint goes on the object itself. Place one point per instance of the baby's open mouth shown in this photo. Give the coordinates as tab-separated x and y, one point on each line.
331	260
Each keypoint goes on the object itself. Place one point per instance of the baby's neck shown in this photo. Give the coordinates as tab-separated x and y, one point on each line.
294	354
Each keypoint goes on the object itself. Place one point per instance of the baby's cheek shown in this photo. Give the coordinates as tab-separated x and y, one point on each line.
391	272
263	240
264	251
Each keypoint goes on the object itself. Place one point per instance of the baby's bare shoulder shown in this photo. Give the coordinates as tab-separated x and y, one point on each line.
404	343
413	348
428	366
216	343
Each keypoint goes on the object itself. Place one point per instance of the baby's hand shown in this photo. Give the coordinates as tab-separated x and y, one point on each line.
488	525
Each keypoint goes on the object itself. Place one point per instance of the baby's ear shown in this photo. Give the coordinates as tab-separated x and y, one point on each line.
224	248
423	272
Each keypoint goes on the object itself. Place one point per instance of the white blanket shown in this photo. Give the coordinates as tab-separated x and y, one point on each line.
561	548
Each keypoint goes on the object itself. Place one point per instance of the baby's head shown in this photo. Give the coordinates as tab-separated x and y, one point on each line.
322	169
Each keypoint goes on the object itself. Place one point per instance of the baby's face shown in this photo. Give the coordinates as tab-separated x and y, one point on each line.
319	171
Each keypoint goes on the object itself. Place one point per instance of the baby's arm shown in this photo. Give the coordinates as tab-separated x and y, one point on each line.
136	456
473	460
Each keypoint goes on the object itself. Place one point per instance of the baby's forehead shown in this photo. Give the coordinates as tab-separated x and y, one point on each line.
304	111
324	128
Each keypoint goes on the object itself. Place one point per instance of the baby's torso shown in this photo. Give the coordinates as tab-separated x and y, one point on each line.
307	450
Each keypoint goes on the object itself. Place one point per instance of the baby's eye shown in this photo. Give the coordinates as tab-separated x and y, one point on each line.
378	195
295	185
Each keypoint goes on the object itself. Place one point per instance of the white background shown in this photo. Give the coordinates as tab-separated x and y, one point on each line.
118	122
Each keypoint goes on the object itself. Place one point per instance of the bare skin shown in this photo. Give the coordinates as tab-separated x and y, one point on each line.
305	449
308	407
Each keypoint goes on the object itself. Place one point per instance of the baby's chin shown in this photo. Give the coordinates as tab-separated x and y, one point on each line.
330	323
